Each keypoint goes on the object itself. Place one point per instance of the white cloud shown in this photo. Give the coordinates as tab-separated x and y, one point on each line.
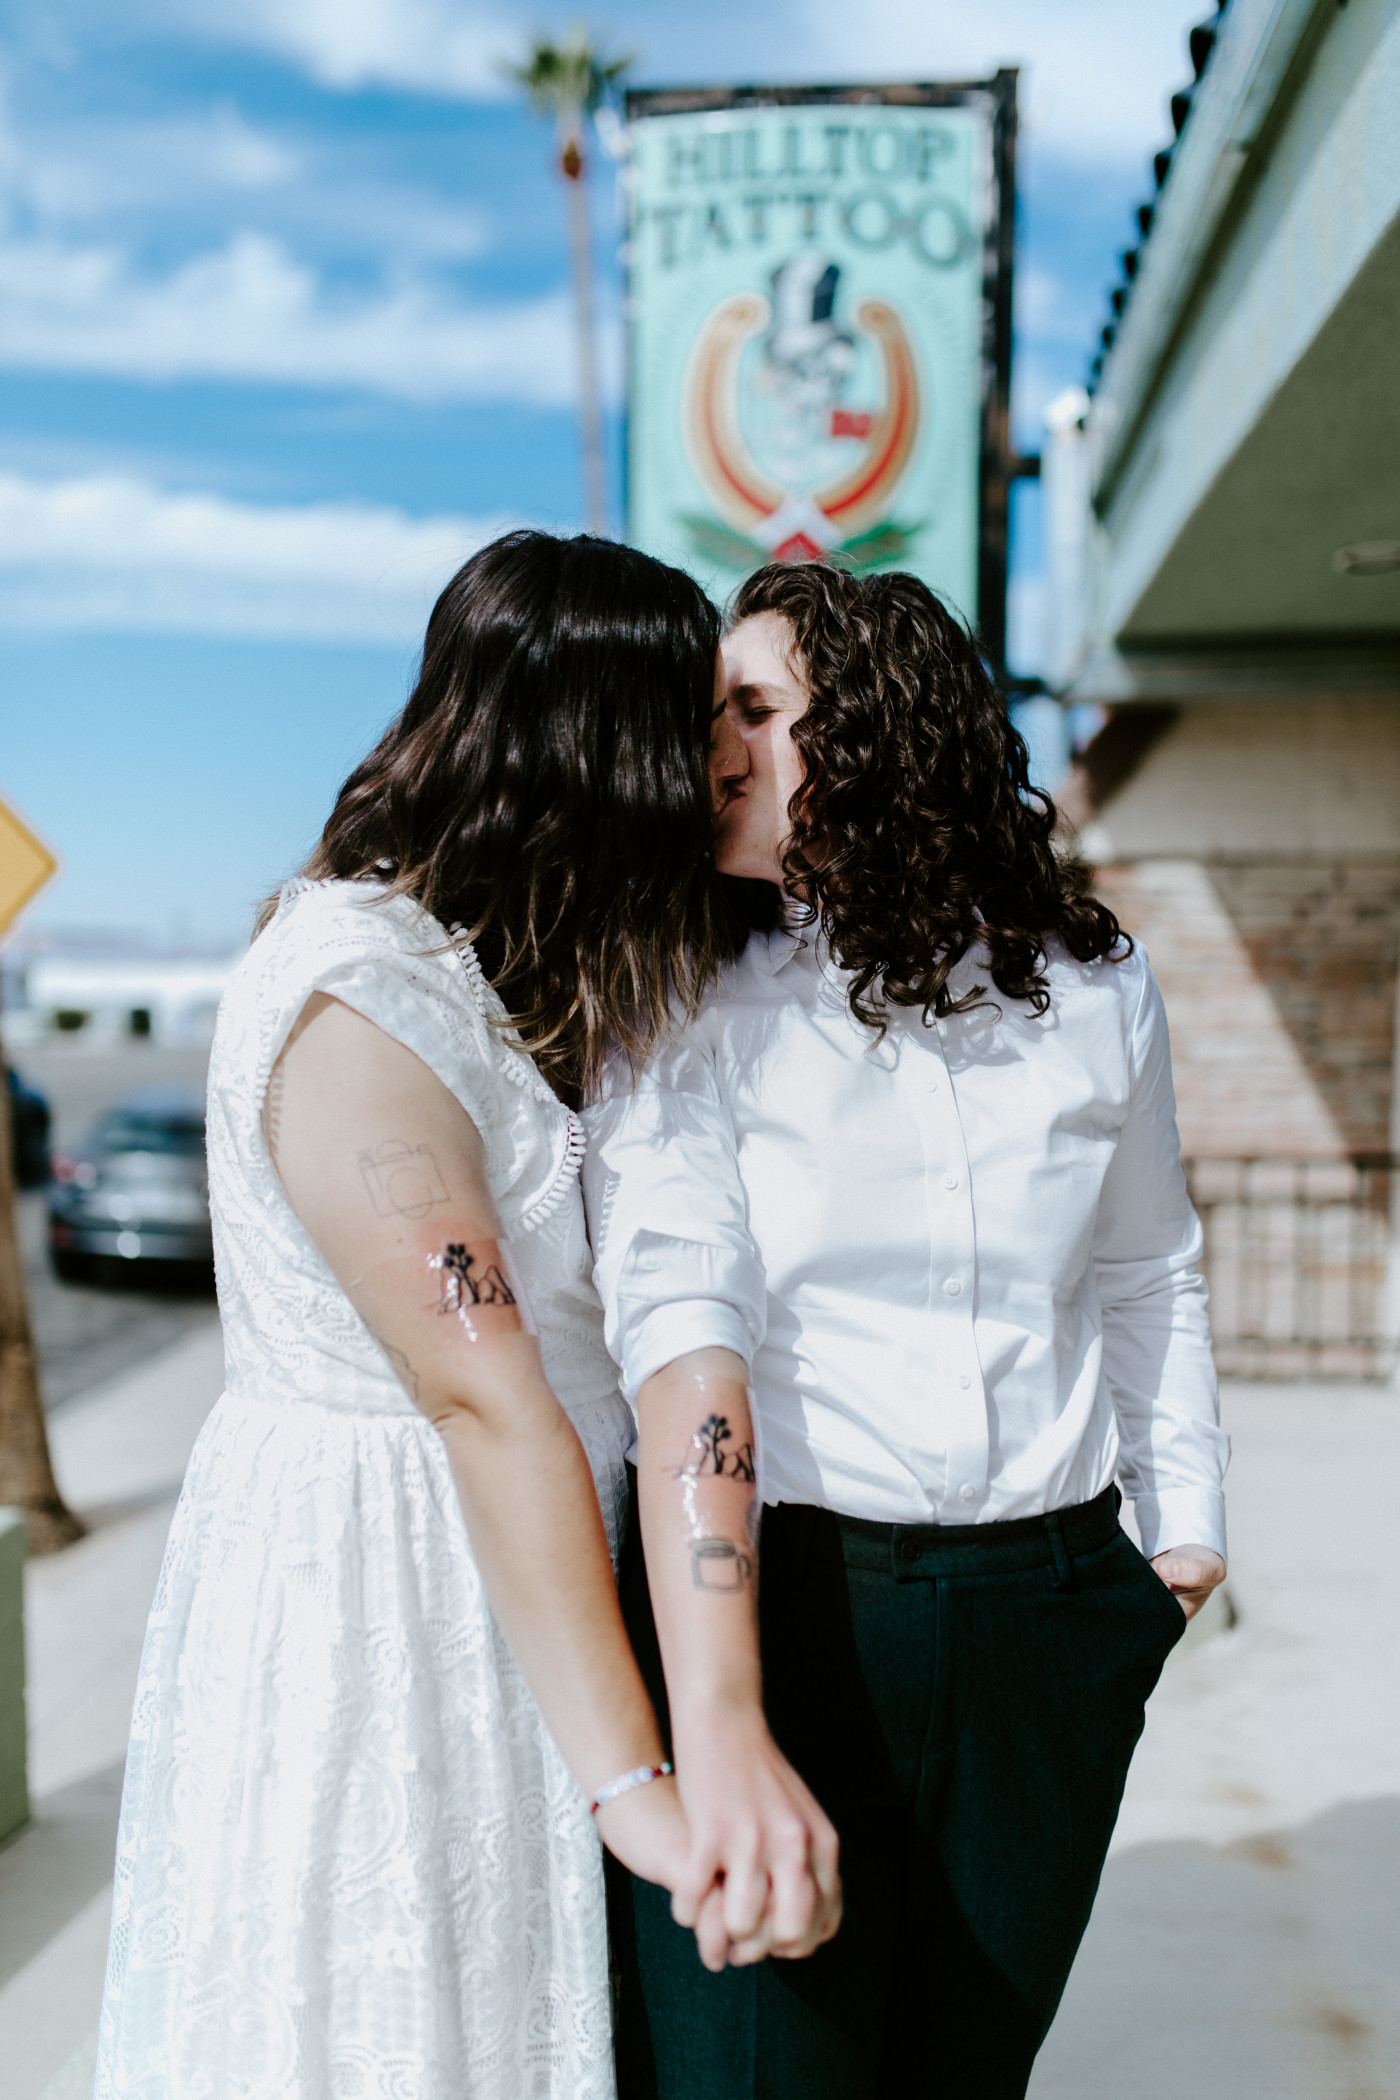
1041	306
1027	609
75	173
117	553
211	165
1097	79
1098	74
439	46
250	311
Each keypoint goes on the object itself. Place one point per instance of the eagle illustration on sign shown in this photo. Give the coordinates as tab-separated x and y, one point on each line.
795	466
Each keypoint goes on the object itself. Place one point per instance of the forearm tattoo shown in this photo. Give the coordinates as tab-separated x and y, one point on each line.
403	1180
708	1459
717	1564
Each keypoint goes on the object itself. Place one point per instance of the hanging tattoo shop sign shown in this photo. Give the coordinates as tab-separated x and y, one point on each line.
814	278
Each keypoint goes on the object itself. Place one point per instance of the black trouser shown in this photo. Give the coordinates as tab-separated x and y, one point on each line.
964	1701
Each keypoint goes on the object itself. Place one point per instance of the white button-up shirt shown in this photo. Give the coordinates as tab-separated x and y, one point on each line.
961	1261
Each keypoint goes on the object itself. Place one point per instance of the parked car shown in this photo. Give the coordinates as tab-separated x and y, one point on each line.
137	1190
29	1131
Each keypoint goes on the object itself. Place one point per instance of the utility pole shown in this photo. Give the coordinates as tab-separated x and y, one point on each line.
569	82
26	1470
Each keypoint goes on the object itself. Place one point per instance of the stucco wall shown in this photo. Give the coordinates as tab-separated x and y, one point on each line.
1307	777
1256	852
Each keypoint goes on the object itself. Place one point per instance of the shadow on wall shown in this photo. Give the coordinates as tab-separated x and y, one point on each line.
1280	980
1322	942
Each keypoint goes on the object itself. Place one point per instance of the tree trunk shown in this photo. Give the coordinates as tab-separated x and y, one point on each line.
26	1471
595	481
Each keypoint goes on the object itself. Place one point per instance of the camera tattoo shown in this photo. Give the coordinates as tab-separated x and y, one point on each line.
717	1564
708	1458
403	1180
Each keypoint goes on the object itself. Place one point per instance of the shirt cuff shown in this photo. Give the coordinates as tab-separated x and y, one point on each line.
1181	1517
673	1330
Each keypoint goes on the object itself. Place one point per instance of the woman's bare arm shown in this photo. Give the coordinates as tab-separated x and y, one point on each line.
386	1171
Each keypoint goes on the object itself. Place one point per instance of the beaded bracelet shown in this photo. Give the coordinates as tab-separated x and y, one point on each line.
642	1776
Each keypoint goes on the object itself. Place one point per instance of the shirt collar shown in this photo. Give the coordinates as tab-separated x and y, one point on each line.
781	945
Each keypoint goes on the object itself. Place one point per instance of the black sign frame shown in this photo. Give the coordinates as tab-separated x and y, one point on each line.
999	464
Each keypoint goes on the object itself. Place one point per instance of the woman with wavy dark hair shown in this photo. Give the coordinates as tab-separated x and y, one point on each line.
356	1850
895	1248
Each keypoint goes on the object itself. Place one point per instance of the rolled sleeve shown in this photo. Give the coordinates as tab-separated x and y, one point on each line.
676	1295
1156	1334
675	1264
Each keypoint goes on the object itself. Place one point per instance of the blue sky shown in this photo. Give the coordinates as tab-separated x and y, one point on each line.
284	332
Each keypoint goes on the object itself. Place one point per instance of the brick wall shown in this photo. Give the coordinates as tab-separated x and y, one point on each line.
1279	978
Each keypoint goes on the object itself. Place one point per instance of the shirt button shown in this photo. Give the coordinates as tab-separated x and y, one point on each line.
950	1181
953	1287
965	1382
968	1491
910	1550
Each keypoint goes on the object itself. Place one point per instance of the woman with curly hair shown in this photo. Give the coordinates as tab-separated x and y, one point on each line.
895	1249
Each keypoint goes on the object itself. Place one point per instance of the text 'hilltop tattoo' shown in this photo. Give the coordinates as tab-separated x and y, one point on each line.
708	1458
717	1564
403	1180
459	1289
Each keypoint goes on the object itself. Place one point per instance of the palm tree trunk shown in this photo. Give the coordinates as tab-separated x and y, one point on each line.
595	482
26	1471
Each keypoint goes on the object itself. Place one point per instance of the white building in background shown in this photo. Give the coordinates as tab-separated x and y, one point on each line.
170	1000
1223	554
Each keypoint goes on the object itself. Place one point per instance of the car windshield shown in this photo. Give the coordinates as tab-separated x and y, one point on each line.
128	1130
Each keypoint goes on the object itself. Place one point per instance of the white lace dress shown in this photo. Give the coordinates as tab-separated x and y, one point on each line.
352	1864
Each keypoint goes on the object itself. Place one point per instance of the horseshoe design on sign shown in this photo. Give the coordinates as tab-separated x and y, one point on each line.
806	362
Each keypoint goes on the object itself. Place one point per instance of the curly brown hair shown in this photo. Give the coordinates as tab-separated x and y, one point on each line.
916	832
546	791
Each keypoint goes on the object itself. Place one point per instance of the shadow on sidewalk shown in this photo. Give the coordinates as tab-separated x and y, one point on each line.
56	1865
1262	1967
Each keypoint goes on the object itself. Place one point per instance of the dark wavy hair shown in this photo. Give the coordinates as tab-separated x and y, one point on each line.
546	790
916	814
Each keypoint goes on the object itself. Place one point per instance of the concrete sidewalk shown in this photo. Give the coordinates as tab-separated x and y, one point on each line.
120	1454
1246	1940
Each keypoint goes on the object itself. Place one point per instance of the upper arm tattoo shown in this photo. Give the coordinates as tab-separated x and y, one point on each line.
402	1180
458	1288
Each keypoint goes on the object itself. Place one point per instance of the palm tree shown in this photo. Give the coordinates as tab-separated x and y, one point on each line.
26	1472
569	82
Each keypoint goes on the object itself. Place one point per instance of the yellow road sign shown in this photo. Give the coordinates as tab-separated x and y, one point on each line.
25	866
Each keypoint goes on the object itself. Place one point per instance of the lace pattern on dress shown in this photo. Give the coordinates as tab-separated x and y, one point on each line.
351	1860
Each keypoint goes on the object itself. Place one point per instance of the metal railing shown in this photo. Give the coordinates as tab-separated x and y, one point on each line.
1303	1263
